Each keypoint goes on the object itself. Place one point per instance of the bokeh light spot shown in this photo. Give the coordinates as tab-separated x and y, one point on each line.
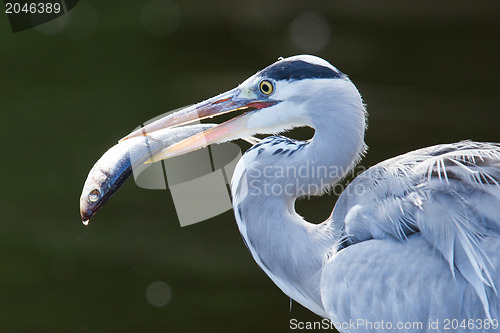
54	26
158	293
78	23
83	21
310	32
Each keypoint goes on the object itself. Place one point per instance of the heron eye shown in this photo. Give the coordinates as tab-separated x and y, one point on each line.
94	195
266	87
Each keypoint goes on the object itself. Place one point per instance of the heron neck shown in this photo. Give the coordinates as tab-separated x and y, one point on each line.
291	250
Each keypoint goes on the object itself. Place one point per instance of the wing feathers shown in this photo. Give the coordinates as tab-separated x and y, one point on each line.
450	194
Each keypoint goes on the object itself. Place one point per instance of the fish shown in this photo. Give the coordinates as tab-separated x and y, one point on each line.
116	165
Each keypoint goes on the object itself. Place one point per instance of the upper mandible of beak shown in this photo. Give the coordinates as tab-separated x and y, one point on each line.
224	103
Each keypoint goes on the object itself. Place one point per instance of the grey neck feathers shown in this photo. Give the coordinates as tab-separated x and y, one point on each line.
281	241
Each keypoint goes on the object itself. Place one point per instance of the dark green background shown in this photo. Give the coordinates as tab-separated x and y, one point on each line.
428	71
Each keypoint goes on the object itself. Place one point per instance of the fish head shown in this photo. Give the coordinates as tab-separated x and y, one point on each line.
103	180
95	194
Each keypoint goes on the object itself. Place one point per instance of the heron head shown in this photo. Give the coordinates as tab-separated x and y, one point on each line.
292	92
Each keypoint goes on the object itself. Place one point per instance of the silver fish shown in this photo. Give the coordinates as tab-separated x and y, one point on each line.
111	171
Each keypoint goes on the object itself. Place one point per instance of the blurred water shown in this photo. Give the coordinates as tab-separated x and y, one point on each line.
428	72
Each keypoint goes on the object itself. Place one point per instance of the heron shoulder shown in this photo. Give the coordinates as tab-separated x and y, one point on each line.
448	194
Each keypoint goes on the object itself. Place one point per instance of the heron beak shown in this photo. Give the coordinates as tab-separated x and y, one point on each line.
224	103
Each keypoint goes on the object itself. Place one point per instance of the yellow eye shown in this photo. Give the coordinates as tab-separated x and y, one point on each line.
266	87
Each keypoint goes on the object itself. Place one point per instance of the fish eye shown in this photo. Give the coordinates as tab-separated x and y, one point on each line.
266	87
94	195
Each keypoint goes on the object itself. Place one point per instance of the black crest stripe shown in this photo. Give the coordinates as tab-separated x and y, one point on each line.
298	70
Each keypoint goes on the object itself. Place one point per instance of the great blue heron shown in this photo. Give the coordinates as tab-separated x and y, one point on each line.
414	239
